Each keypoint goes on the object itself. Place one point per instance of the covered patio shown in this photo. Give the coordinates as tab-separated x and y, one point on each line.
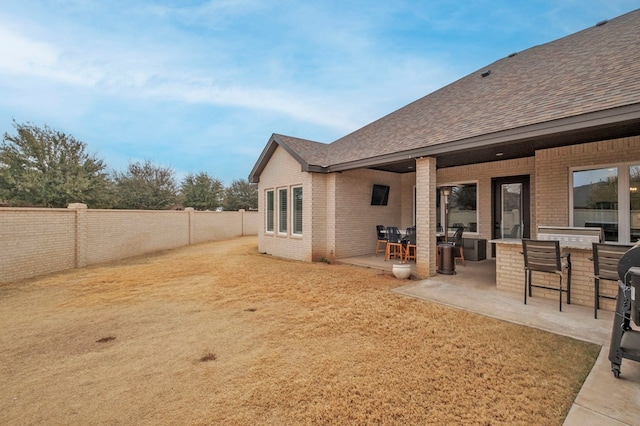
603	399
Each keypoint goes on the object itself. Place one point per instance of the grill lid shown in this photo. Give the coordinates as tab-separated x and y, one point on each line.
628	260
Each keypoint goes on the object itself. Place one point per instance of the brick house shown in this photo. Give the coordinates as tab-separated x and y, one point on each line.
546	136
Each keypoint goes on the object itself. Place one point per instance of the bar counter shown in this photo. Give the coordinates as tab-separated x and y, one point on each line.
510	274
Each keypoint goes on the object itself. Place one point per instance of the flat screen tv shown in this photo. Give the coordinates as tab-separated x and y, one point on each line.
380	195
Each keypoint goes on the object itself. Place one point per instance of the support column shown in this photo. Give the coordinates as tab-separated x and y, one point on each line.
426	216
330	205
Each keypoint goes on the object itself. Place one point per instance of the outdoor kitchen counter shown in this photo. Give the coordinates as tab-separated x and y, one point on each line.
510	274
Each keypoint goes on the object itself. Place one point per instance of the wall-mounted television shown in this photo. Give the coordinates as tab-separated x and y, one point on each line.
380	195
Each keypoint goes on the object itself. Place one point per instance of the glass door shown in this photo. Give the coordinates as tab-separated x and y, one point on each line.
510	199
511	210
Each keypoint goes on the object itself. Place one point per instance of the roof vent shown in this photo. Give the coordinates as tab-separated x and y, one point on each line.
601	23
513	54
486	73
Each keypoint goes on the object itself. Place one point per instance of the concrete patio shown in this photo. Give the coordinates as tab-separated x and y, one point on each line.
603	399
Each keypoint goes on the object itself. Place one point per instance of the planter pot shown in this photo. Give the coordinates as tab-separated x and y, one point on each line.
401	270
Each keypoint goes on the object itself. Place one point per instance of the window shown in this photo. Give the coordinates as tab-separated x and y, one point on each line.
595	200
270	210
296	213
608	198
463	211
282	211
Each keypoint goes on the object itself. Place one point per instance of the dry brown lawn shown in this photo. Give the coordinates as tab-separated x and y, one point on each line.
219	334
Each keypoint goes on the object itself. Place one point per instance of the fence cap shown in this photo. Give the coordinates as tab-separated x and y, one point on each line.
77	206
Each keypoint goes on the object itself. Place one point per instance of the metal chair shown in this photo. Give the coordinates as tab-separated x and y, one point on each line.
394	244
605	267
382	239
458	244
515	232
410	246
545	256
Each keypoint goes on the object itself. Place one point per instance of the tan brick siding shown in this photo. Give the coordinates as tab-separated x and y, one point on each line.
318	217
553	168
425	178
356	218
510	276
482	174
283	171
552	193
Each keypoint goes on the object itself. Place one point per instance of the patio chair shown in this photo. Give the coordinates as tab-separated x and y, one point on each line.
394	244
515	232
544	256
456	240
381	244
605	267
410	246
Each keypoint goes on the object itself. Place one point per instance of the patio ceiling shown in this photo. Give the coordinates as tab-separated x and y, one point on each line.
526	146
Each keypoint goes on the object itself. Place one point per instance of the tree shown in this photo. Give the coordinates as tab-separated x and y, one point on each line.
463	197
241	195
146	187
46	168
201	191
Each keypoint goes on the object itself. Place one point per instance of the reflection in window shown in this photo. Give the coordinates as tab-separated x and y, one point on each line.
634	203
282	211
463	207
511	210
270	210
595	200
296	205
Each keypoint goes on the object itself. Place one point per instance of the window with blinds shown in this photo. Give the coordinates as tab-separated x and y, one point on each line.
282	211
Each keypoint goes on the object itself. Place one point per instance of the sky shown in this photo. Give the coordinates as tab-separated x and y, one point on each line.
200	86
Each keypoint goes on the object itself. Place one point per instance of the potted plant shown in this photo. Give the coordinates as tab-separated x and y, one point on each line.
401	270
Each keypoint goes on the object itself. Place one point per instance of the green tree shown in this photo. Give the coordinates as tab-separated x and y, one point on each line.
145	186
241	195
463	197
201	191
46	168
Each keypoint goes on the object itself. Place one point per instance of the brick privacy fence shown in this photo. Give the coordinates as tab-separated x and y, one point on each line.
37	241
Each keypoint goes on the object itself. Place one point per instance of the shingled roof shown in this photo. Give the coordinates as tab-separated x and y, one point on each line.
588	76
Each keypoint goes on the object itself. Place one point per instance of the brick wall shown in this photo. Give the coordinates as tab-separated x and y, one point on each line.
319	216
283	171
118	234
36	241
41	241
482	174
510	276
553	169
551	193
356	218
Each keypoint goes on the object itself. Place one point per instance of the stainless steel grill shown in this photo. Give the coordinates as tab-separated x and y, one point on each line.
571	236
